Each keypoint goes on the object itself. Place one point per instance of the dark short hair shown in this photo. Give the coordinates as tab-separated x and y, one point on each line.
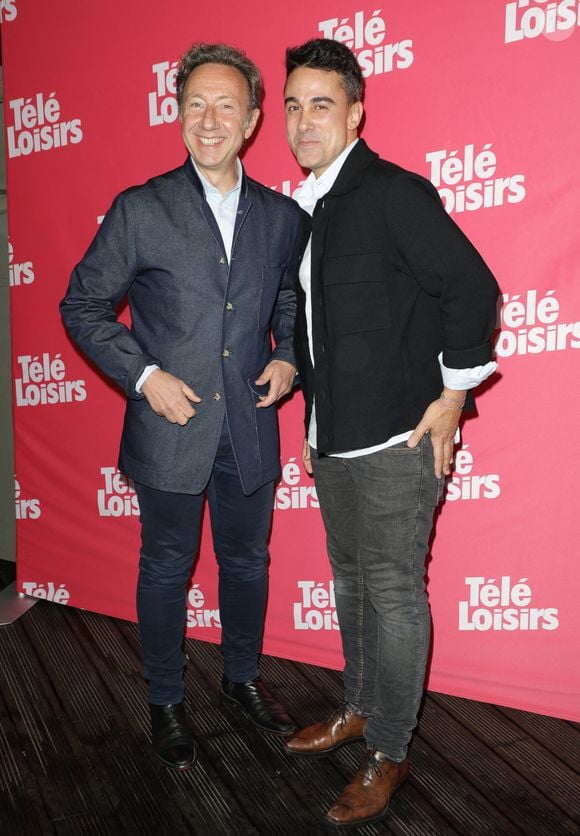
201	53
332	56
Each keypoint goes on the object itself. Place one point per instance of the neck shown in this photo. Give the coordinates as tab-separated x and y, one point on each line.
223	181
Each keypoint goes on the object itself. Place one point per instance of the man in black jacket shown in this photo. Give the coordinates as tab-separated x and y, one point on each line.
395	313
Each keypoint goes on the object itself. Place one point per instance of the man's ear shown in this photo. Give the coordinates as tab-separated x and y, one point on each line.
251	122
355	114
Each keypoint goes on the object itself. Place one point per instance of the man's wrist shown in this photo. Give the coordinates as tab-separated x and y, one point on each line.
453	398
144	375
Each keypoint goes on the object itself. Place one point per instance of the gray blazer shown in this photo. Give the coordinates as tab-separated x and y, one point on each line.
204	320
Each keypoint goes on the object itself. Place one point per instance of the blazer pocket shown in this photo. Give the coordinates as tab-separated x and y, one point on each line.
149	439
257	390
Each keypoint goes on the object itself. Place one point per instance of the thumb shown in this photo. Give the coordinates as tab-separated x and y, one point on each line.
306	457
190	394
417	435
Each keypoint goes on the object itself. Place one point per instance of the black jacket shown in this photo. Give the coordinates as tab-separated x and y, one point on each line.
394	283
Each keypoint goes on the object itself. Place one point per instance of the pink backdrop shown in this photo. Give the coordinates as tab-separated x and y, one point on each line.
481	98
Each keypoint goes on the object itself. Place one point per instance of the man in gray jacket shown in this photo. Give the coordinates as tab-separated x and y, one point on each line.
207	259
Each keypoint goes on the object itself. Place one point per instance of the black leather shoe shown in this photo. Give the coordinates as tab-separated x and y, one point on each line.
258	704
171	736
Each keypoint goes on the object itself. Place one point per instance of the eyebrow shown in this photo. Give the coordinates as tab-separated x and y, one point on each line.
201	96
315	99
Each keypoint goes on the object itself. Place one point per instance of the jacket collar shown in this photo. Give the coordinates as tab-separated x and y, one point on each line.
353	169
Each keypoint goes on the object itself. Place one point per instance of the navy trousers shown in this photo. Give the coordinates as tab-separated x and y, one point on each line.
170	530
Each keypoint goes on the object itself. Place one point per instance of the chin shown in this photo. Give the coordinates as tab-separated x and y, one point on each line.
306	162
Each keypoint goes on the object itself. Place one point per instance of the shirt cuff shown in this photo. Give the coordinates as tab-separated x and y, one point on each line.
145	374
465	378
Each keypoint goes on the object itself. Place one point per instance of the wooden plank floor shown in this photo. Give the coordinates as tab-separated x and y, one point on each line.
75	759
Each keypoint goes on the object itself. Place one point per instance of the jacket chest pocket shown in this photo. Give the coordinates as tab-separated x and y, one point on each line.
355	293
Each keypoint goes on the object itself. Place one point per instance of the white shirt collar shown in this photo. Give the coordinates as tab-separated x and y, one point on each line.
314	187
209	189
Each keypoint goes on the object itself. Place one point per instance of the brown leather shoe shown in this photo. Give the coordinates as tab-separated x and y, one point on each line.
367	797
343	726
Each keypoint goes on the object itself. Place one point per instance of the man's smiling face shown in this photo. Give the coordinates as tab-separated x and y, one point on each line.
320	122
215	120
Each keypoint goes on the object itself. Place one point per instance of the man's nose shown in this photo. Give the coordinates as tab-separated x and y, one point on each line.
209	120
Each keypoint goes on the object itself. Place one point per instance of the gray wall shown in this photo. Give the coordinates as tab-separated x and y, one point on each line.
7	522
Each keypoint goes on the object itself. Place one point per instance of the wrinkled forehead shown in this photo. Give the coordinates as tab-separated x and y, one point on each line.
211	80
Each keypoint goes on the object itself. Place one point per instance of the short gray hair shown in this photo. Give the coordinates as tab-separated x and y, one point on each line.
202	53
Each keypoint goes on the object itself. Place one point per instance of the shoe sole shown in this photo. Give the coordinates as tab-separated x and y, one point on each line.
176	767
360	822
321	753
238	708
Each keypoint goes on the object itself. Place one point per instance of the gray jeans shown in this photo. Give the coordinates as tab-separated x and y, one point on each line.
378	514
